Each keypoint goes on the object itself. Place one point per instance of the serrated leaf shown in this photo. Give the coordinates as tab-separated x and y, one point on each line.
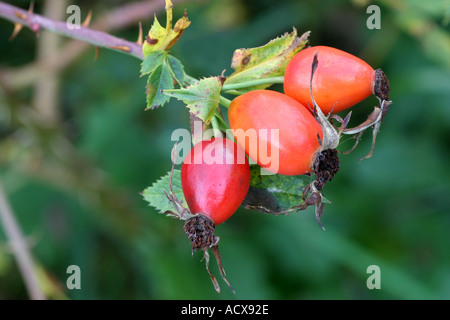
274	193
177	69
156	197
153	61
160	79
163	69
269	60
160	38
202	97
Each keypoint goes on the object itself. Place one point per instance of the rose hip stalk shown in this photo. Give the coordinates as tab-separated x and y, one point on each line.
215	178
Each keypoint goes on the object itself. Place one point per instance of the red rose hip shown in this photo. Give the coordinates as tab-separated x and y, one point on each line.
340	81
215	177
265	111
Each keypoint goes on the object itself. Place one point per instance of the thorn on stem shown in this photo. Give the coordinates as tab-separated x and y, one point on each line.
140	39
123	48
17	28
87	20
97	53
20	15
31	7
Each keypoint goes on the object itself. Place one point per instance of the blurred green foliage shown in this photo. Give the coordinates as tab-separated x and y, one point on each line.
75	188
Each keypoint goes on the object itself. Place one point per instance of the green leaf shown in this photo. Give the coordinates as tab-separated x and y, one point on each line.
156	197
177	69
163	69
160	79
153	61
266	61
274	193
202	97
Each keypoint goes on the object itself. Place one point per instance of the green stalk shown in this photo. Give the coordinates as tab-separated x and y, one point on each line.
252	83
224	102
215	125
221	121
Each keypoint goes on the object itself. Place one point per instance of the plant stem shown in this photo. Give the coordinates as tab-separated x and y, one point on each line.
99	39
19	248
224	102
215	125
252	83
221	121
46	92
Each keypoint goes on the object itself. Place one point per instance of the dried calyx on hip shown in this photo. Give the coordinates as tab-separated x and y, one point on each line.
199	229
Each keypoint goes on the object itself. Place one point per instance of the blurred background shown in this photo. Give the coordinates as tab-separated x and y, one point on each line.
77	149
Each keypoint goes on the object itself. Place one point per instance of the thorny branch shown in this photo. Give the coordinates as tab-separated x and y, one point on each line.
37	22
127	15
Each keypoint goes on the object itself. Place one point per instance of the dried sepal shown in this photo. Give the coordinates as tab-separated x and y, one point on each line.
211	275
215	251
160	38
330	139
180	212
373	121
358	138
344	122
199	229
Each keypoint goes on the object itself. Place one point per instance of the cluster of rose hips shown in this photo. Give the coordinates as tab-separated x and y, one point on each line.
318	81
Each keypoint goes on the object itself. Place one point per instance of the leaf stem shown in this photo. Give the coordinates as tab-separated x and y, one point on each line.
221	121
189	79
215	125
224	102
252	83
